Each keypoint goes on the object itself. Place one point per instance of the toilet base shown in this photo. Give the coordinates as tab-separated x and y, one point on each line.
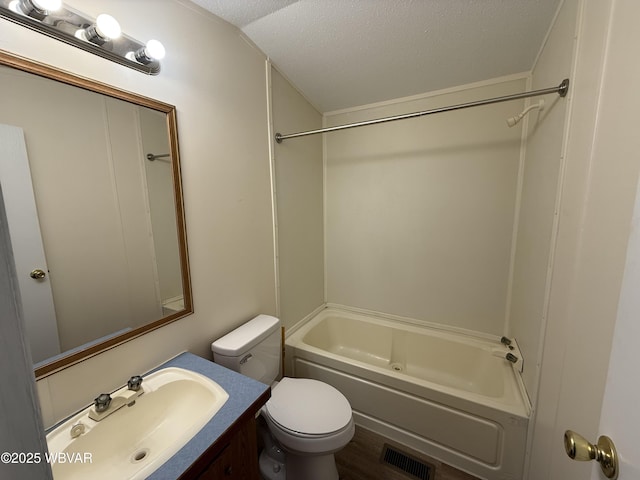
296	467
270	468
278	462
320	467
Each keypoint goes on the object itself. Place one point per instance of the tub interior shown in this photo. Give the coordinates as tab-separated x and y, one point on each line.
428	357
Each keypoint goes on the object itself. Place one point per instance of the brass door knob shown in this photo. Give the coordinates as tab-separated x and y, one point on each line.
604	452
37	274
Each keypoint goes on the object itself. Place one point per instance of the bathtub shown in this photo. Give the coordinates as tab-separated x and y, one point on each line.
451	395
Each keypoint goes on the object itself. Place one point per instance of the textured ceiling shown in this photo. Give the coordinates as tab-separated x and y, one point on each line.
344	53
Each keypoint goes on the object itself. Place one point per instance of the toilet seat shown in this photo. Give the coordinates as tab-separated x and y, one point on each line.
308	408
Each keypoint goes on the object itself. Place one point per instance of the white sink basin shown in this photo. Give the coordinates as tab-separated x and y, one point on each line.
134	441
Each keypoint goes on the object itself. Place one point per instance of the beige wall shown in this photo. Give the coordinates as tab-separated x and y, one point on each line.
216	78
420	213
299	200
543	164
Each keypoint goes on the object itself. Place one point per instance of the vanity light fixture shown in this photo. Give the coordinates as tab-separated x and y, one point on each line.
101	36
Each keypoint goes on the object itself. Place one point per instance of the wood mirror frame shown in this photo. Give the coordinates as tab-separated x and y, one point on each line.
76	355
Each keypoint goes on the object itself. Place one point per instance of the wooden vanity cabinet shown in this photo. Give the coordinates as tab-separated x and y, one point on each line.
239	458
234	456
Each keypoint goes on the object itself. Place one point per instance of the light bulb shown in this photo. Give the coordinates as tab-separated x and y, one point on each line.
36	8
151	52
47	5
155	50
14	6
107	27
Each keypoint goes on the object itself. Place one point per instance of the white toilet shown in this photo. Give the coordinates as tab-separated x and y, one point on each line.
308	421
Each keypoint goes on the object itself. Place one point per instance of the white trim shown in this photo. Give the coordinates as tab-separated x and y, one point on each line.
325	261
435	93
516	216
272	179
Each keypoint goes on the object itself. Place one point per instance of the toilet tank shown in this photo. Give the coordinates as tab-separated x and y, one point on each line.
253	349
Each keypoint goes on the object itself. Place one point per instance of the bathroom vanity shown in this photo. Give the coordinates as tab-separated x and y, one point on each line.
189	418
226	447
234	455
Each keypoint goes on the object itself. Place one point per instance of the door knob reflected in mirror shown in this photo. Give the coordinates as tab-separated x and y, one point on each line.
37	274
604	452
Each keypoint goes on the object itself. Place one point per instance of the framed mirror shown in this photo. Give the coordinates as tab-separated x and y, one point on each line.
90	177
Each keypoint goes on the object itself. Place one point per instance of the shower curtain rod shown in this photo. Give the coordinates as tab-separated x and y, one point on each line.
561	90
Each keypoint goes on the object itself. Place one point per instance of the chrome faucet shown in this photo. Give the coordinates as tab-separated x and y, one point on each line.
105	404
134	383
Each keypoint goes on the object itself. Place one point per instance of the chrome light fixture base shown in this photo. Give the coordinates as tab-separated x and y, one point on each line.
69	26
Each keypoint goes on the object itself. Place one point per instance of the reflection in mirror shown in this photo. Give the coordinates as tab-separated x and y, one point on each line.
91	179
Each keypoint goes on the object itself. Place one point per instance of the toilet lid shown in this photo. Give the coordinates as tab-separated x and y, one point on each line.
308	406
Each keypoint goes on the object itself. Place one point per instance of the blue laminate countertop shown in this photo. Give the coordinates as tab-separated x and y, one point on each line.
243	392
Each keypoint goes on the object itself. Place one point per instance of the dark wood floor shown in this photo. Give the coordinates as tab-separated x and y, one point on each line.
360	460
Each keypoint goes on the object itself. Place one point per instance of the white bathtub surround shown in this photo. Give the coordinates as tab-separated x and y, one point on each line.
419	214
444	393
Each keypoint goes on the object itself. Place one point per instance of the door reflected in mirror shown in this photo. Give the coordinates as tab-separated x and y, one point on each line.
92	188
